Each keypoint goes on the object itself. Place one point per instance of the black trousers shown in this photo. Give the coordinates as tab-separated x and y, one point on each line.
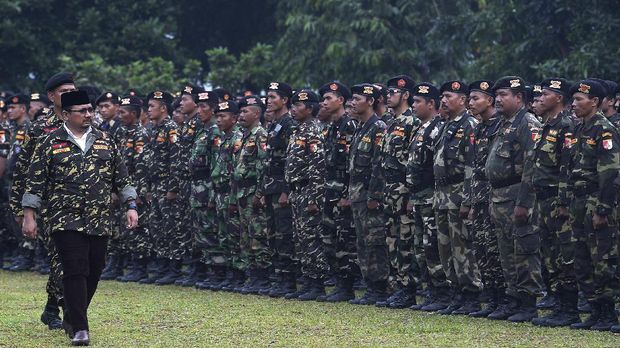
82	258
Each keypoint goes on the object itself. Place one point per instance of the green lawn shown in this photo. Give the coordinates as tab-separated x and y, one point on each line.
130	315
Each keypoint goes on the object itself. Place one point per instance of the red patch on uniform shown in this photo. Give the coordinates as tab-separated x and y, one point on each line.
60	145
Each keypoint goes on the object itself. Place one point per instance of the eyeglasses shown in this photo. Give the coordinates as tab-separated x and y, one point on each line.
393	91
83	111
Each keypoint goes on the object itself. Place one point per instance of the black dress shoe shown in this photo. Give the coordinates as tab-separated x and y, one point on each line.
80	338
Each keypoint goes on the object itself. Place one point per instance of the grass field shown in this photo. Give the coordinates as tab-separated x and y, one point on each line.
132	315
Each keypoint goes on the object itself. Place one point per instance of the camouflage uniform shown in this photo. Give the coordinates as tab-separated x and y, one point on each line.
202	155
227	252
454	235
164	152
43	126
249	167
182	241
364	184
420	182
338	228
477	197
509	172
394	156
134	150
8	238
595	161
279	219
305	167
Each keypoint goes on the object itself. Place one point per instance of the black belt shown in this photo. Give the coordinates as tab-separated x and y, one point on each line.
585	190
506	182
543	193
450	180
298	185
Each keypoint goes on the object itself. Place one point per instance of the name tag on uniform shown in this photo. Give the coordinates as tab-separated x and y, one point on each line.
61	150
100	147
551	139
366	139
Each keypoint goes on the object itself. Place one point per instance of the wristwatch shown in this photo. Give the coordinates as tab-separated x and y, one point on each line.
132	205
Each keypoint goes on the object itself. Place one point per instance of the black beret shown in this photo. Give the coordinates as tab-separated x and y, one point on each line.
17	99
305	95
78	97
228	106
133	92
58	80
251	100
176	103
131	100
281	87
611	87
335	87
427	90
617	88
402	82
223	94
483	86
160	95
590	87
556	84
107	96
39	97
366	89
514	83
454	86
209	97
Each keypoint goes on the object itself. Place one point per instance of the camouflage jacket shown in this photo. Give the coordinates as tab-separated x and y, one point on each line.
279	133
305	160
188	135
552	156
250	161
420	177
615	120
451	157
365	161
509	163
337	146
135	153
477	189
5	141
163	153
203	151
594	162
18	138
114	129
223	166
395	147
43	126
77	185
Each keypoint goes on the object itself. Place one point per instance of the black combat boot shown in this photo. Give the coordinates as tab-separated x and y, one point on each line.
225	282
583	305
564	314
315	289
237	281
342	292
111	270
471	304
428	298
592	319
376	292
138	272
218	276
161	266
173	273
24	262
608	317
287	285
440	300
456	303
405	299
507	306
199	273
526	310
493	299
51	315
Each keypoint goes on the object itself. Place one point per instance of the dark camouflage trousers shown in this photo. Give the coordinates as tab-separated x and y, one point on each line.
519	251
486	248
54	285
596	251
281	233
339	239
426	228
309	246
204	229
163	222
137	241
456	251
255	252
116	244
557	249
399	240
181	242
229	230
372	252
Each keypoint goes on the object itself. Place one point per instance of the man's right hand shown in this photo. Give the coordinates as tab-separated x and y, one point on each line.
29	227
